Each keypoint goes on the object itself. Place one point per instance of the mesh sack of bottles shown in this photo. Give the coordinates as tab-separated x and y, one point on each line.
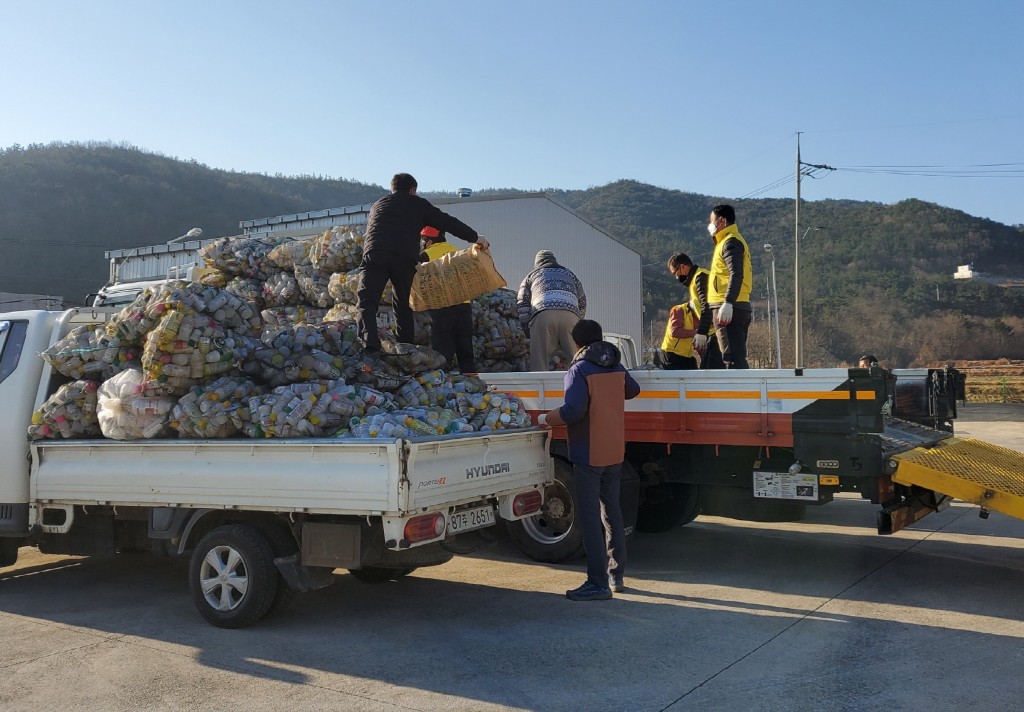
310	409
91	351
339	249
68	413
281	289
241	256
298	314
216	409
185	347
499	342
290	254
127	410
314	285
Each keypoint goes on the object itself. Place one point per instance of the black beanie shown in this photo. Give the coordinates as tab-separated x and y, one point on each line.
586	332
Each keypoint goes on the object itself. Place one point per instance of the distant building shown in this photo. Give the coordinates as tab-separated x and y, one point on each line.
10	301
964	272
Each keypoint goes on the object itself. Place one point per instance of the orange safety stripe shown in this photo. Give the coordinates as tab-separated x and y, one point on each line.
749	395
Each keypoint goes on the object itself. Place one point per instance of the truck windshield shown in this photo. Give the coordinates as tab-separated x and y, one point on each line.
12	339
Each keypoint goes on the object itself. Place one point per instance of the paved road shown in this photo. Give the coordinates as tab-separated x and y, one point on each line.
721	615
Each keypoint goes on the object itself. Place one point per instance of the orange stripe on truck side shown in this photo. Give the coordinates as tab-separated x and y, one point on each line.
741	395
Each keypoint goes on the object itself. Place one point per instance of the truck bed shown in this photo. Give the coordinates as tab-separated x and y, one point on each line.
356	476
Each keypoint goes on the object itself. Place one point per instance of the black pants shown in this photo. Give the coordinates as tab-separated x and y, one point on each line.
712	357
675	362
732	338
377	269
451	335
606	553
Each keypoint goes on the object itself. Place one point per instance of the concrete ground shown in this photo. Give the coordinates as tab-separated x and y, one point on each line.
720	615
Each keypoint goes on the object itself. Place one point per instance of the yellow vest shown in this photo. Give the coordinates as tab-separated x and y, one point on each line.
680	347
695	299
438	250
718	282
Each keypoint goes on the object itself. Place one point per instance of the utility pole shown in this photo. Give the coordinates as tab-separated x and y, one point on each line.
798	325
798	347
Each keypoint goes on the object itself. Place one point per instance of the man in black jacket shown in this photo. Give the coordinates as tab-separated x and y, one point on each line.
391	251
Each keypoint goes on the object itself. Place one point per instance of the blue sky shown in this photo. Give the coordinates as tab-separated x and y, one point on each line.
704	97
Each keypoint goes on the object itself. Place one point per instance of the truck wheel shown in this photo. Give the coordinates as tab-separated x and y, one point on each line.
379	574
9	551
232	576
668	505
550	536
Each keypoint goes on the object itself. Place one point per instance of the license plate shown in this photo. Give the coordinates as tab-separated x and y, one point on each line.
466	520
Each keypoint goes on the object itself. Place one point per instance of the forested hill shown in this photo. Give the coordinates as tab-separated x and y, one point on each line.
63	205
874	277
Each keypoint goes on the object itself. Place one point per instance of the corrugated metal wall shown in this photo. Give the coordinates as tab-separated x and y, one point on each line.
12	301
518	227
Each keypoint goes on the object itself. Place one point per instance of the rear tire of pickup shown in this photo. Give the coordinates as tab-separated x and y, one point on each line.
232	576
9	551
668	505
550	537
379	574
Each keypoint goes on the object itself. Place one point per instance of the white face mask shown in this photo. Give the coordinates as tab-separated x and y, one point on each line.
711	229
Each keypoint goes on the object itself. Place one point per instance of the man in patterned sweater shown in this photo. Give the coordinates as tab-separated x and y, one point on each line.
551	301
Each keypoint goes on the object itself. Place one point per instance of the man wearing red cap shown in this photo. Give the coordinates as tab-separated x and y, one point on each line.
451	333
391	250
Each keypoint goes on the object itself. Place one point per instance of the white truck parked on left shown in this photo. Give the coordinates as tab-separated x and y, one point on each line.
260	518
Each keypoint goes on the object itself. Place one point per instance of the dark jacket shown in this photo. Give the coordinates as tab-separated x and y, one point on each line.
550	286
596	390
395	222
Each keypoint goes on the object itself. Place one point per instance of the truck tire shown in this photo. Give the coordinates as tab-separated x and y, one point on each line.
550	536
668	505
379	574
232	576
9	551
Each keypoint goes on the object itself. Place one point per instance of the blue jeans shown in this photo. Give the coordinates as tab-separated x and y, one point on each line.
606	549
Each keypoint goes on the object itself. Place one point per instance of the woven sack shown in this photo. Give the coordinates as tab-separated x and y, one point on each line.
454	278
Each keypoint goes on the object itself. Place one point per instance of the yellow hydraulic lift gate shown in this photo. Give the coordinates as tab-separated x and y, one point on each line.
971	470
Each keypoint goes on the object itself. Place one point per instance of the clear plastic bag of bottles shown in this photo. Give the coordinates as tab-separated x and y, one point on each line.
126	410
219	409
68	413
338	249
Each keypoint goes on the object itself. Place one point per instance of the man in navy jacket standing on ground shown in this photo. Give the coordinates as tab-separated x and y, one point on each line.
596	390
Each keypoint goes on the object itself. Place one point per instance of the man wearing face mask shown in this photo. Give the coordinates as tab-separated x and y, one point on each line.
729	286
695	278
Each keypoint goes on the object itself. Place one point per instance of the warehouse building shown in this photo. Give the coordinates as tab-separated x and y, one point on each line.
516	225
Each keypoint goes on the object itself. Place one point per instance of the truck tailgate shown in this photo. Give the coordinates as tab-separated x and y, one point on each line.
459	469
314	475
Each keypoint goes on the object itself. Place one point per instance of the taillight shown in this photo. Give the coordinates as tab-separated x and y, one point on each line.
428	526
527	503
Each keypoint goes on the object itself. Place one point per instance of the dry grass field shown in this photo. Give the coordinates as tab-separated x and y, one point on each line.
1000	381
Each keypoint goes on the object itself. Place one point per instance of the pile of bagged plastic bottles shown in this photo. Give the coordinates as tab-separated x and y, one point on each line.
253	351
